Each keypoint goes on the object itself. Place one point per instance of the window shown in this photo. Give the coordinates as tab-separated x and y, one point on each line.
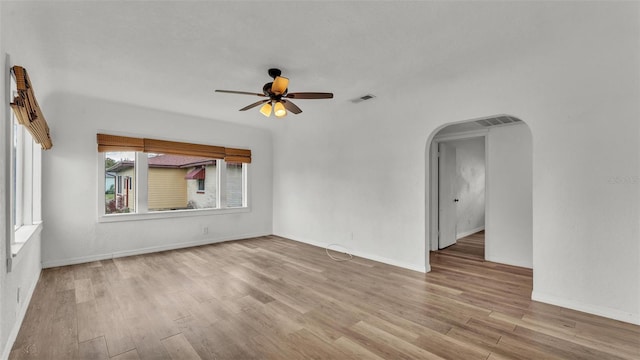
162	177
25	178
235	184
119	177
17	162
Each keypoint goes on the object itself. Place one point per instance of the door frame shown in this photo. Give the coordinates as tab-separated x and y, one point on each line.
434	183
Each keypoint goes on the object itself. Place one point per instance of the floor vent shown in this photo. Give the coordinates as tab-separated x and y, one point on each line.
500	120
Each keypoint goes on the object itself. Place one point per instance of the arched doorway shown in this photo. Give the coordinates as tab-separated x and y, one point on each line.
507	193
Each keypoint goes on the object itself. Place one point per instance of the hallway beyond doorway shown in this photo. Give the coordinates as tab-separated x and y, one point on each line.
469	247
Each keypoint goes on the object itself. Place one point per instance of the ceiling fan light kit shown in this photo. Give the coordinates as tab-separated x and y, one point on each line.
266	109
279	110
277	91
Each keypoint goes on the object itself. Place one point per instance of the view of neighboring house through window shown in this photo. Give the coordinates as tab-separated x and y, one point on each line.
177	182
119	176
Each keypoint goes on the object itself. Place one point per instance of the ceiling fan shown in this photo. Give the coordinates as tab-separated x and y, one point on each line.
276	92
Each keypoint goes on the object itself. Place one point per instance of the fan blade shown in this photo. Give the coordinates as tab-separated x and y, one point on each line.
254	105
240	92
279	85
309	95
291	107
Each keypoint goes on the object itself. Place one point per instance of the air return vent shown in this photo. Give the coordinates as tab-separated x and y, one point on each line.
362	98
500	120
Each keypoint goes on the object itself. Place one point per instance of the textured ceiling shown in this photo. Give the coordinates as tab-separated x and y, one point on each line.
172	55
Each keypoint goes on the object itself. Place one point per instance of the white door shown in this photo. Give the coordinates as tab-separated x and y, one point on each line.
446	195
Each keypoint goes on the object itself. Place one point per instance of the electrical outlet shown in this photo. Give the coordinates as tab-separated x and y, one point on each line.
205	230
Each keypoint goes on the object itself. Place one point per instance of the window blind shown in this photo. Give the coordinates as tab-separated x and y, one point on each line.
108	143
180	148
119	143
237	155
27	110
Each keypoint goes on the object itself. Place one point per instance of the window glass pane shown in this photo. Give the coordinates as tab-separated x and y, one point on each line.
235	184
17	163
120	182
177	182
14	171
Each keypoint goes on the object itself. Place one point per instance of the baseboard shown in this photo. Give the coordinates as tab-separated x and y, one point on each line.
595	310
147	250
415	267
13	335
470	232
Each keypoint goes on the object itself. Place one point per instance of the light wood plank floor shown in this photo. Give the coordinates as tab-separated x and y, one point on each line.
272	298
469	247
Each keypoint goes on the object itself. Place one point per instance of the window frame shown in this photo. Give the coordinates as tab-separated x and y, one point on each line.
141	194
24	181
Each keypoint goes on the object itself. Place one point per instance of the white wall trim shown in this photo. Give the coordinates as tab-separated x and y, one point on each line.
595	310
13	335
470	232
415	267
147	250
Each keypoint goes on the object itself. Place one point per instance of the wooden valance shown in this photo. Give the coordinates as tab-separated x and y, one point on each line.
119	143
180	148
27	110
237	155
109	143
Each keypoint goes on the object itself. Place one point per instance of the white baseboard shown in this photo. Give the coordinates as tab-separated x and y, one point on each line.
13	335
595	310
415	267
147	250
470	232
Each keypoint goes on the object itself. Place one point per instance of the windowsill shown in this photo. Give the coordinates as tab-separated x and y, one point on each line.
170	214
23	235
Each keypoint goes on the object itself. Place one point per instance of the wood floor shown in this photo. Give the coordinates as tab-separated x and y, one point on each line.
469	247
272	298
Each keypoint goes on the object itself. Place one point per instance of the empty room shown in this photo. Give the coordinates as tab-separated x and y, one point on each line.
320	180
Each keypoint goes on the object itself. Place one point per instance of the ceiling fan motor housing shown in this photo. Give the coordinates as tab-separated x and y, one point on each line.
273	72
266	89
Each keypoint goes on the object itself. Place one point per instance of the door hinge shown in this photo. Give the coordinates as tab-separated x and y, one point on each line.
9	264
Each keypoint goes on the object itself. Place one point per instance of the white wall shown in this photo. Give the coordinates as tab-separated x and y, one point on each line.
26	265
73	233
470	184
356	174
509	208
24	275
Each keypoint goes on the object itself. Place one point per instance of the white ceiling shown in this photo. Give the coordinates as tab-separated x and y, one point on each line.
172	55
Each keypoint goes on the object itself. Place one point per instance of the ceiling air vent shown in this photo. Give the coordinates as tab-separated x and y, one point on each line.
500	120
362	98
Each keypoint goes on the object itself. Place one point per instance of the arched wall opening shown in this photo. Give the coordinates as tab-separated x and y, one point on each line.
508	181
